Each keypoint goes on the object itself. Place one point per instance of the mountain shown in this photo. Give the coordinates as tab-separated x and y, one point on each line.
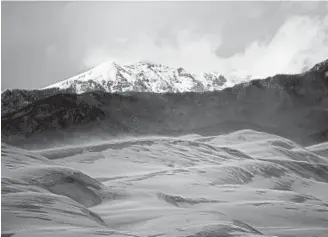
112	77
293	106
144	77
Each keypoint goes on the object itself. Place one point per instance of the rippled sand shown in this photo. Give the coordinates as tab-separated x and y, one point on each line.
245	183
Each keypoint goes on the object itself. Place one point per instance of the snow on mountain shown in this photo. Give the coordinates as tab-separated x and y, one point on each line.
145	77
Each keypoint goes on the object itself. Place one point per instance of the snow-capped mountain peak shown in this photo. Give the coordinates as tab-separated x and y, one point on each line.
145	76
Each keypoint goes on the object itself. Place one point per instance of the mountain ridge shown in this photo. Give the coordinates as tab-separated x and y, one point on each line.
294	106
14	99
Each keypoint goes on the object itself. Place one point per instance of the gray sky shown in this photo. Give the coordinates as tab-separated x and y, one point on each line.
46	42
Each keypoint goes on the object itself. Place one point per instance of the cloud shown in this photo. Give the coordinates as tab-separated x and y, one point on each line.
300	42
122	40
96	56
51	50
190	51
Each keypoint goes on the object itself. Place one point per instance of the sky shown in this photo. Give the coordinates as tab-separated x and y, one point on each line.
46	42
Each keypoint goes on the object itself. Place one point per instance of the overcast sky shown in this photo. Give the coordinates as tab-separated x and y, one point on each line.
46	42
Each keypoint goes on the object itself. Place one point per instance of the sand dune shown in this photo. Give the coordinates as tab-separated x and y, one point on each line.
245	183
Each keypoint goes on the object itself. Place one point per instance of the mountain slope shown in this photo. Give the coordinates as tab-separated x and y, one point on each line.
294	106
12	100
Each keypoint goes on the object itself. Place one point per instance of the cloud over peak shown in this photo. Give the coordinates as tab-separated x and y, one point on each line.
299	43
258	38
